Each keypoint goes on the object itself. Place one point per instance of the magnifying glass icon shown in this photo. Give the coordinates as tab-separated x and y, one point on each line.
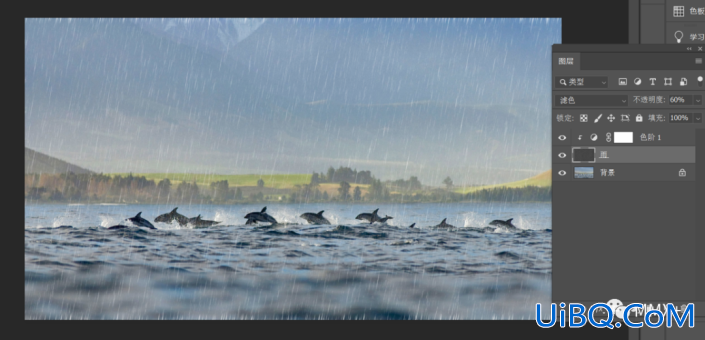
563	82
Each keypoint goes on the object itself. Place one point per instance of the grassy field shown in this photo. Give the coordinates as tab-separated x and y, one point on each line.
270	181
541	180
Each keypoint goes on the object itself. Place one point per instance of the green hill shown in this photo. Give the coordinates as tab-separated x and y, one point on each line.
541	180
38	163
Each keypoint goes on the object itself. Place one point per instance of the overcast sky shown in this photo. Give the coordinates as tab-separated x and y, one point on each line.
426	97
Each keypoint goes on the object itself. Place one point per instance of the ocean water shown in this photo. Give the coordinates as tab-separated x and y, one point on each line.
75	268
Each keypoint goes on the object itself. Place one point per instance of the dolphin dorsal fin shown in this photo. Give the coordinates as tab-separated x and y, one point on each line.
320	213
510	220
173	211
198	217
264	209
412	225
444	221
374	212
138	214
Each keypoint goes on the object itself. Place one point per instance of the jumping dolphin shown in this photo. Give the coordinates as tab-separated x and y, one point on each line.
172	216
261	216
384	219
444	224
412	225
139	221
373	217
504	224
198	222
315	218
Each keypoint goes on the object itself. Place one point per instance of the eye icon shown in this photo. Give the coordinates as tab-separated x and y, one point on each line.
562	137
562	155
561	173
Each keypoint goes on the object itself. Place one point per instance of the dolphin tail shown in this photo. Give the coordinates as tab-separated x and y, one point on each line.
264	209
320	213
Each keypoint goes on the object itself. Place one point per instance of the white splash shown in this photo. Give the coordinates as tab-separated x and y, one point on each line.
228	218
474	220
107	221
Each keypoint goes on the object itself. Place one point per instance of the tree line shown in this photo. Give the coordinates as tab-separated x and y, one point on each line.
342	174
102	188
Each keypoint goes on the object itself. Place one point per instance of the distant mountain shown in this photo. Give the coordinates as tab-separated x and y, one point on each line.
37	162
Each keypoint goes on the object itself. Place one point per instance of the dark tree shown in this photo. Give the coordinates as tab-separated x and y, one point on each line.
220	190
448	182
414	183
163	188
314	179
56	195
35	193
331	174
344	190
376	190
260	183
357	194
364	177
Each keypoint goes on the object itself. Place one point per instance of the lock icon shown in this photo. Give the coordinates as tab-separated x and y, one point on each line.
639	118
681	173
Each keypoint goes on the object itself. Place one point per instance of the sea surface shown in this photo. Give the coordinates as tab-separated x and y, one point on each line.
75	268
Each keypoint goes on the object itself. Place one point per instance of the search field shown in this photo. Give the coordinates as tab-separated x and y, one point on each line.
578	82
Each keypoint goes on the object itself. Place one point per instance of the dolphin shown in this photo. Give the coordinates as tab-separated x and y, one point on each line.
172	216
261	216
504	224
198	222
141	222
384	219
443	224
412	225
373	217
315	218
